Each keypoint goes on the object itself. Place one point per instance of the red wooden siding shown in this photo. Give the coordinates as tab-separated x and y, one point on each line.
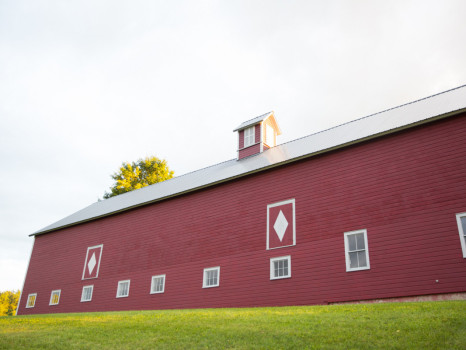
257	132
249	151
240	139
405	189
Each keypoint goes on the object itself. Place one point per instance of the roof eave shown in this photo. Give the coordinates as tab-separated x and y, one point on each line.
253	121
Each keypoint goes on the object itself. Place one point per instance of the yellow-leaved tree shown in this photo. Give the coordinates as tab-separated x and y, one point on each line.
135	175
8	302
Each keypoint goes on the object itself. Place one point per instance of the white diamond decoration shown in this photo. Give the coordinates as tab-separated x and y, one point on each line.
280	225
91	264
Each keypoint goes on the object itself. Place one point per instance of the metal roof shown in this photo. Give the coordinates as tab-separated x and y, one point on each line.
253	121
441	105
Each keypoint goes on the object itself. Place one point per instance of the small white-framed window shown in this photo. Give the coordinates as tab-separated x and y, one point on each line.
86	294
123	289
356	250
31	300
211	277
55	297
280	267
158	284
249	136
461	220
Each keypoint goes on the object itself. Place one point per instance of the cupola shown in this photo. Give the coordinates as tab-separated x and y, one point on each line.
257	135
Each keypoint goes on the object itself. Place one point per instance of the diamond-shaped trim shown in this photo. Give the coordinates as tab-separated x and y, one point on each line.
91	264
280	225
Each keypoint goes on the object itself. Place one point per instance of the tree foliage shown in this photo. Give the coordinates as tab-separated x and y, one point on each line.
8	302
135	175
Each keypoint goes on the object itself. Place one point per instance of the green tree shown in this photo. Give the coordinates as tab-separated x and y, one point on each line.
135	175
8	302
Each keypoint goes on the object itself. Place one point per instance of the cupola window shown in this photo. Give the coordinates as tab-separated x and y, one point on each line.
249	136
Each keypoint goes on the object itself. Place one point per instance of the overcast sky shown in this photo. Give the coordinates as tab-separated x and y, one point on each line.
86	85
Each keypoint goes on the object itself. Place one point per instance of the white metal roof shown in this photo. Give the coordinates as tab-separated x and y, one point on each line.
447	103
253	121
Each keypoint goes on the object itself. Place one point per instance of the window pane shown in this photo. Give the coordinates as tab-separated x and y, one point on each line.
123	288
158	284
87	292
214	277
351	242
362	259
353	260
463	224
55	298
248	136
280	268
211	277
360	241
285	267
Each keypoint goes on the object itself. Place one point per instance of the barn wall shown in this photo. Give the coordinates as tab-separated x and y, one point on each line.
405	189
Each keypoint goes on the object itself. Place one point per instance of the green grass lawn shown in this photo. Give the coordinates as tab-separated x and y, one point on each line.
422	325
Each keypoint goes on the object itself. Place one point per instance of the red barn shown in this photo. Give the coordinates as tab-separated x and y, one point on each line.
372	209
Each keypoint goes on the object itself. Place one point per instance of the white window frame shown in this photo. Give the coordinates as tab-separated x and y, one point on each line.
204	279
82	293
272	269
249	136
27	301
118	289
152	284
101	246
461	232
347	256
51	296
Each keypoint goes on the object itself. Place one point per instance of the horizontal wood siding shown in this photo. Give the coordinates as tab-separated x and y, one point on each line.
240	139
257	133
249	151
405	189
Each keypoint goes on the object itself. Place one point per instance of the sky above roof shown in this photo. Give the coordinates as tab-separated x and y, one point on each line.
86	85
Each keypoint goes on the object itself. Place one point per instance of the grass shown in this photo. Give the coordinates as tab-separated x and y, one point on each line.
421	325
